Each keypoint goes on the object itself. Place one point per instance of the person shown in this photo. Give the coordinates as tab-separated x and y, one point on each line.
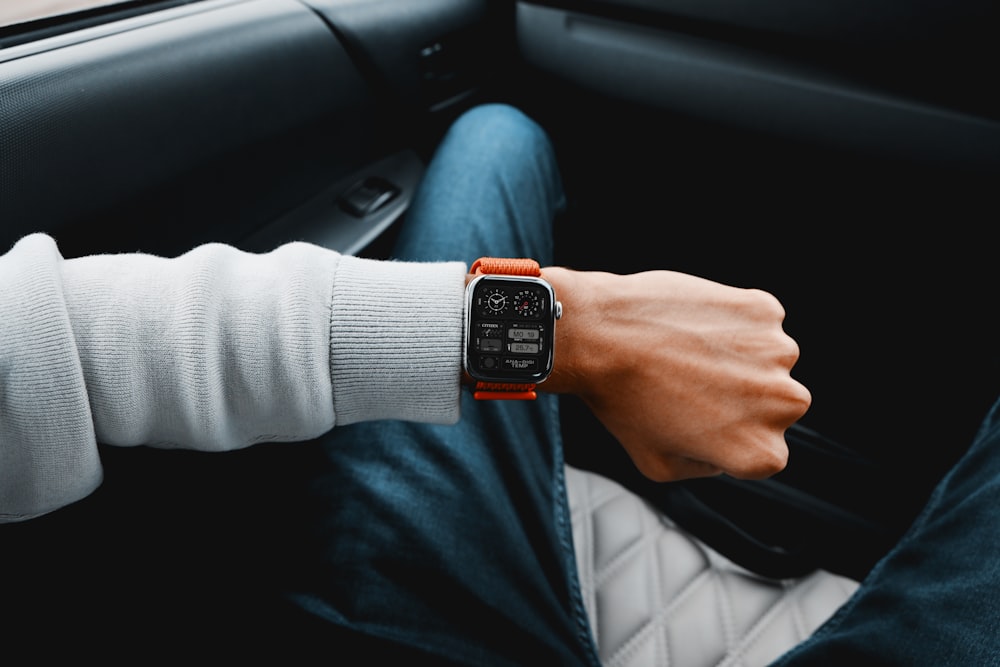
409	521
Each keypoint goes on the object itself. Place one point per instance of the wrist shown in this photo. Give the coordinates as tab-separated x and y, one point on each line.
578	352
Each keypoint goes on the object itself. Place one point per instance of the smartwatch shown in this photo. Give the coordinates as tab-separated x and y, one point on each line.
510	322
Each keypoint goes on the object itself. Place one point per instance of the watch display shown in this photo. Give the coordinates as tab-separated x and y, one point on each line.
510	329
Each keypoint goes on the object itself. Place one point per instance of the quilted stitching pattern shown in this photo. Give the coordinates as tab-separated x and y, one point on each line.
658	597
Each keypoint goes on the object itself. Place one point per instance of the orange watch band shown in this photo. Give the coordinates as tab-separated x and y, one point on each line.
504	391
509	266
506	266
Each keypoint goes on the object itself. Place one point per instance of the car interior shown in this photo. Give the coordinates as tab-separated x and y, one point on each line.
842	155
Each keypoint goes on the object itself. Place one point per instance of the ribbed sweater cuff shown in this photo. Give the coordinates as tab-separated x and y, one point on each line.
400	356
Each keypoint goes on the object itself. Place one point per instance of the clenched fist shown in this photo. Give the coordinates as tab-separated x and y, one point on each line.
692	377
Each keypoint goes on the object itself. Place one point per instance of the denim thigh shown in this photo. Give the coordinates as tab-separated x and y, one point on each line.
455	541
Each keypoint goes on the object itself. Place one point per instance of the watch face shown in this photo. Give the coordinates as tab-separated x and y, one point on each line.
510	329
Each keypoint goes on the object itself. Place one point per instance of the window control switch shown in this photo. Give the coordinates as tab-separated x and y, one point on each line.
364	198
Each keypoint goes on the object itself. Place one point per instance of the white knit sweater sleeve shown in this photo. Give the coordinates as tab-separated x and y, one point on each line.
216	349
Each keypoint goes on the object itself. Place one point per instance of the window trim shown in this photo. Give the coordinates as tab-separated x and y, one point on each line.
93	21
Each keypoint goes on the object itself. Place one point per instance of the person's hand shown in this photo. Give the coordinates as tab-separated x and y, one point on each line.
691	376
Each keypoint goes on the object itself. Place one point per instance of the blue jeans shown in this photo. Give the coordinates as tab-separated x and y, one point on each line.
453	542
934	599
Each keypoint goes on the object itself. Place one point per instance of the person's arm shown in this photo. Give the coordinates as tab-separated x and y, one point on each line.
216	349
691	376
219	349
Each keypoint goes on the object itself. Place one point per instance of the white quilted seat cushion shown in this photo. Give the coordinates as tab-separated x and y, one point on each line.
658	597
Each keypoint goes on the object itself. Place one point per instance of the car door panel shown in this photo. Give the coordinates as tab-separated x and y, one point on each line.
166	133
936	51
733	85
212	120
419	56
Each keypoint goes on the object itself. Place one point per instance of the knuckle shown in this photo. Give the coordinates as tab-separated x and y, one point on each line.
776	461
767	303
792	351
797	401
768	459
803	398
